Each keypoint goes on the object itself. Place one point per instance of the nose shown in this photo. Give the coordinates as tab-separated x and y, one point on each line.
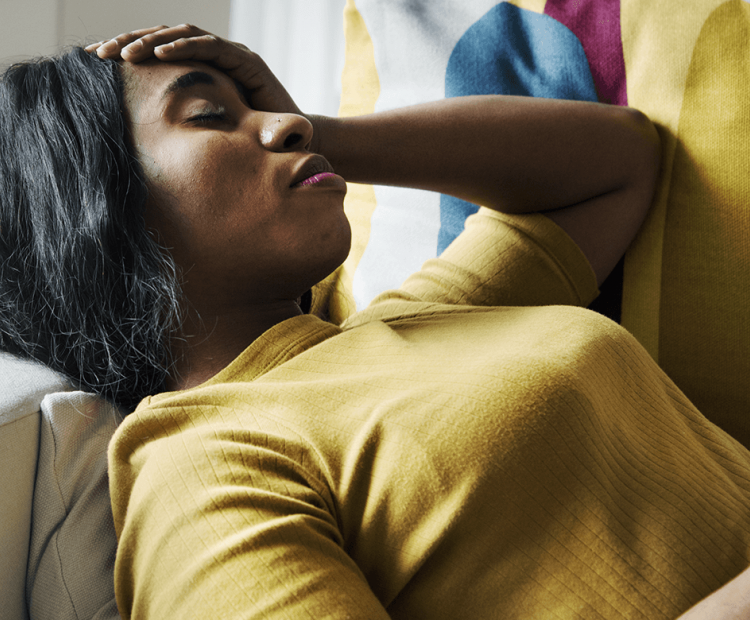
285	132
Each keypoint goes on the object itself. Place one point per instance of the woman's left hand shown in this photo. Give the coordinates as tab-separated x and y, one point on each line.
188	42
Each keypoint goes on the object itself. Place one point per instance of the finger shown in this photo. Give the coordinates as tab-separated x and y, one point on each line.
92	47
144	46
234	59
206	48
113	47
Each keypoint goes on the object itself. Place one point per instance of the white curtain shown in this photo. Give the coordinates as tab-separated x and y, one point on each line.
303	43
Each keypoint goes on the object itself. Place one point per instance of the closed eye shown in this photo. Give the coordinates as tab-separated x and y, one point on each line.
208	117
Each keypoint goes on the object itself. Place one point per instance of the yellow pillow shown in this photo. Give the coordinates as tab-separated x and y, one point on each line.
686	291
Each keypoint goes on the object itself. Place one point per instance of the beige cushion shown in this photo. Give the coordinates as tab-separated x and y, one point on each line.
57	540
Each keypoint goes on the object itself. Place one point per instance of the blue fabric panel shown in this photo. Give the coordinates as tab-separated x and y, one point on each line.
512	51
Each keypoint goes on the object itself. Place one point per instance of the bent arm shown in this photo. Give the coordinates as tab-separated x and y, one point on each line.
592	168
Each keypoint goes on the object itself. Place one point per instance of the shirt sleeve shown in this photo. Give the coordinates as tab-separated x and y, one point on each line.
216	522
507	260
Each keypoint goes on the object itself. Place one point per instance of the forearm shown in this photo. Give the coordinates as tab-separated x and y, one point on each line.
590	167
514	154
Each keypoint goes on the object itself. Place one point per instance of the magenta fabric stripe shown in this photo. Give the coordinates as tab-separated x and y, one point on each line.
596	23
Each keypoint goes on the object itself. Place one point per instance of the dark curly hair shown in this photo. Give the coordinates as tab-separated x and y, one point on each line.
84	288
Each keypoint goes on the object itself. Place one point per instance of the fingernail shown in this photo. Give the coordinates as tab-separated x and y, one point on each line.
167	47
135	46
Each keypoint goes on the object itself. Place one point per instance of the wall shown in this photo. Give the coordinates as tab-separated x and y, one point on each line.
301	40
39	27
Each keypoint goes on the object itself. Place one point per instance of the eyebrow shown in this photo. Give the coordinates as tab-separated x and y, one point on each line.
193	78
187	80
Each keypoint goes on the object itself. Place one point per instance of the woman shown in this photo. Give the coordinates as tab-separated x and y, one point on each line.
445	453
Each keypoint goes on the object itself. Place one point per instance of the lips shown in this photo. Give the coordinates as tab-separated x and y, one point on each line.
315	164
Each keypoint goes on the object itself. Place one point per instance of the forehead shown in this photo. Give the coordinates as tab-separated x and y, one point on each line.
147	83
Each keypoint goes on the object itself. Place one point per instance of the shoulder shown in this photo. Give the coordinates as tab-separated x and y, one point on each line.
504	260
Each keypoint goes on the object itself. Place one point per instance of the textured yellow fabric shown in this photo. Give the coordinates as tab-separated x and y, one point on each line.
432	459
687	276
361	89
687	284
707	230
658	39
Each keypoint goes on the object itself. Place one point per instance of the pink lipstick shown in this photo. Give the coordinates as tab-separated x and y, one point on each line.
316	178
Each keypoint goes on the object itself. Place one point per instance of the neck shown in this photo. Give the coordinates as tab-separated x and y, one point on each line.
208	344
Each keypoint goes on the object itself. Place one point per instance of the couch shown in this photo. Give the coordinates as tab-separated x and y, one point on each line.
683	289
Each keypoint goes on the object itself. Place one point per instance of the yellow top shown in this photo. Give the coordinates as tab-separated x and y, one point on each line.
433	458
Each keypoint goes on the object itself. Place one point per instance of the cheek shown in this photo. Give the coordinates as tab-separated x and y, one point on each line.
227	184
200	184
209	224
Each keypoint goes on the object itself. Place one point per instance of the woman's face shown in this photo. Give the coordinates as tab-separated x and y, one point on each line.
224	191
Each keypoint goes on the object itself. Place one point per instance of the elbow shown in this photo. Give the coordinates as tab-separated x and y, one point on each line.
643	161
605	225
647	146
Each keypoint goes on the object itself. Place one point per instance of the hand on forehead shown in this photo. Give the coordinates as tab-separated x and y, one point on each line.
189	43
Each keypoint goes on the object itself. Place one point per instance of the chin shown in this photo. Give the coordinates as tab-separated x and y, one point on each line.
327	254
336	250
